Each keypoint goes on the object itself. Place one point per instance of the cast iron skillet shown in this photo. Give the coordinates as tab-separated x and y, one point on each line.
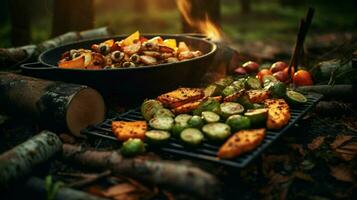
128	83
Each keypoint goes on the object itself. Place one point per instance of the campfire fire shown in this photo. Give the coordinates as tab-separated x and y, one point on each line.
205	26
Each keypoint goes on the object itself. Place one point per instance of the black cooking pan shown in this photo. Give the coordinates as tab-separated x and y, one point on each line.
129	83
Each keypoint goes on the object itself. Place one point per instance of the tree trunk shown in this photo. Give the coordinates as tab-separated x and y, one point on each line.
55	105
36	187
72	15
20	22
162	173
199	10
20	161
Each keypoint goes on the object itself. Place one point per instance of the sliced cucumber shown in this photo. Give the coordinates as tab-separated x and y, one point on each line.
217	131
195	121
295	98
150	107
239	84
210	117
182	118
192	136
213	90
178	128
257	117
278	89
231	108
253	83
229	90
238	122
210	104
162	123
156	136
164	112
132	147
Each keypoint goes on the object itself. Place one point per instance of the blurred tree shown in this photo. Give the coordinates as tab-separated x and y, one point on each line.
140	5
20	22
246	6
72	15
199	10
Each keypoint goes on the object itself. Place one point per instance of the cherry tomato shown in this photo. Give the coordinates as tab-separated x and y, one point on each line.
281	76
251	66
278	66
302	78
263	73
240	71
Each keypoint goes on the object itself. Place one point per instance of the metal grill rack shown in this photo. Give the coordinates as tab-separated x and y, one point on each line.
206	151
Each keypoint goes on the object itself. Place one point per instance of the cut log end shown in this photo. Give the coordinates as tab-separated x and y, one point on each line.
86	108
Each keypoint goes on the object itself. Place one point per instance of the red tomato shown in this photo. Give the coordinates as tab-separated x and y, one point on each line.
263	73
251	66
240	71
302	78
281	76
278	66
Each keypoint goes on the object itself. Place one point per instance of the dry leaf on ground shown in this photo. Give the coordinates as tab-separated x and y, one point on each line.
316	143
339	140
342	172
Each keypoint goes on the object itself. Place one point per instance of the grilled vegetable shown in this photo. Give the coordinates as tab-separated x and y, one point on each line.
295	98
132	147
195	121
257	96
124	130
162	123
211	104
186	108
150	107
180	96
210	117
278	90
253	83
178	128
224	82
163	112
191	136
239	84
234	97
182	118
257	117
217	131
257	105
230	108
229	90
244	101
213	90
238	122
269	81
278	113
241	142
156	136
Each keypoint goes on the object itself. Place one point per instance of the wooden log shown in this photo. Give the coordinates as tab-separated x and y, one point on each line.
36	187
10	57
20	161
339	92
165	174
55	105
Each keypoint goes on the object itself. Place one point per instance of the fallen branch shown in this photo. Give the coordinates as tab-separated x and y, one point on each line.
36	187
340	92
165	174
20	161
11	57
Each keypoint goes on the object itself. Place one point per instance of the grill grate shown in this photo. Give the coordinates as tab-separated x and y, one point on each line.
205	151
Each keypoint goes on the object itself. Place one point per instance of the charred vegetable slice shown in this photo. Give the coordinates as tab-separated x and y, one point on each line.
163	112
295	98
180	97
195	121
150	107
213	90
268	81
224	82
124	130
229	90
231	108
156	136
191	136
132	147
244	101
217	131
278	89
278	113
211	104
239	84
210	117
182	118
162	123
257	117
253	83
238	122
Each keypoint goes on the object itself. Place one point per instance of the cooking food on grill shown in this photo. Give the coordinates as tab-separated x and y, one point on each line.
132	147
241	142
180	97
133	51
191	136
217	131
125	130
278	113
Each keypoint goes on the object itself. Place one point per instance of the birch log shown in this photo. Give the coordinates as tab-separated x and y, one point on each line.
20	161
165	174
55	105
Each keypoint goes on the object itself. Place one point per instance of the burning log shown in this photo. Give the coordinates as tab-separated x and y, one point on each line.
165	174
36	187
55	105
19	161
13	56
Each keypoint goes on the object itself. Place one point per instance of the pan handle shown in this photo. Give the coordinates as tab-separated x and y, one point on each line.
34	66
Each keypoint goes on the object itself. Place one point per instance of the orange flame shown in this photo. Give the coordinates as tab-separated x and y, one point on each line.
205	26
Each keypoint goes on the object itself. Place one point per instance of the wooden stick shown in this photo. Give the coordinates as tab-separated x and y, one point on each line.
166	174
20	161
